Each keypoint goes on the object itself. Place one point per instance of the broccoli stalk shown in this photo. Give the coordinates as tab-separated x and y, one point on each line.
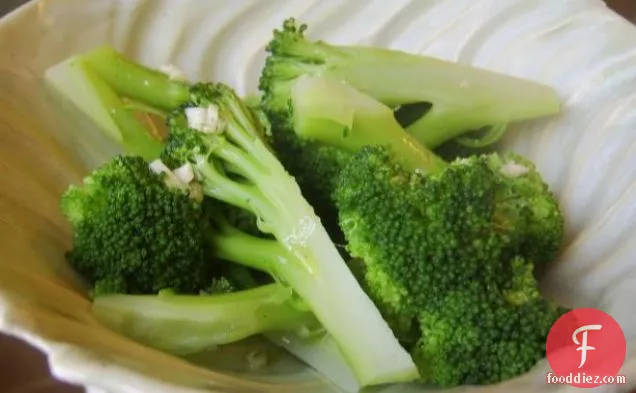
235	166
110	90
335	114
234	245
185	324
462	98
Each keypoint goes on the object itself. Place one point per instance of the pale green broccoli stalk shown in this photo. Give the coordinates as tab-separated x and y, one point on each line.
335	114
462	98
222	139
185	324
111	90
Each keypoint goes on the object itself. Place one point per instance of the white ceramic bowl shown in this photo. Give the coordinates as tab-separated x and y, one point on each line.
587	154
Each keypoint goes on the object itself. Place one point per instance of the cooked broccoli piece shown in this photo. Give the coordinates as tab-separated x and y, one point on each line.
138	232
221	137
439	100
449	249
138	229
113	91
185	324
135	233
458	98
477	335
235	165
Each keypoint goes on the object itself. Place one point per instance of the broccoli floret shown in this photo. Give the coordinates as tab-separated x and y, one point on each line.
449	229
441	249
221	137
137	231
459	98
477	336
133	233
442	243
185	324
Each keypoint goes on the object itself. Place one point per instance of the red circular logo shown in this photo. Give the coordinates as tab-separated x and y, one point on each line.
585	348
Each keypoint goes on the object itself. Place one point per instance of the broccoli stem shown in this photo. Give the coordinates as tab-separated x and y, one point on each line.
135	136
91	94
97	82
135	81
463	98
184	324
313	267
334	113
248	250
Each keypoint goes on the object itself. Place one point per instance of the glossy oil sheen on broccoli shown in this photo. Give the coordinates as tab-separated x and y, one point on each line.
133	233
449	249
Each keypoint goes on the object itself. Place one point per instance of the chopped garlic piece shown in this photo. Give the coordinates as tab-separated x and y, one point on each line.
171	180
184	173
158	167
173	72
205	120
512	169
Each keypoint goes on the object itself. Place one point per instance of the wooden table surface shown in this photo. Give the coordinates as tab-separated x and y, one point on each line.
24	369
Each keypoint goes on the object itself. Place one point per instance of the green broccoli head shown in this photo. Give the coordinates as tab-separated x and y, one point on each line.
133	233
291	56
481	334
526	193
448	253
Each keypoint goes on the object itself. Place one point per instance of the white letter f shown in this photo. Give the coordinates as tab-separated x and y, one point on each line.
584	347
